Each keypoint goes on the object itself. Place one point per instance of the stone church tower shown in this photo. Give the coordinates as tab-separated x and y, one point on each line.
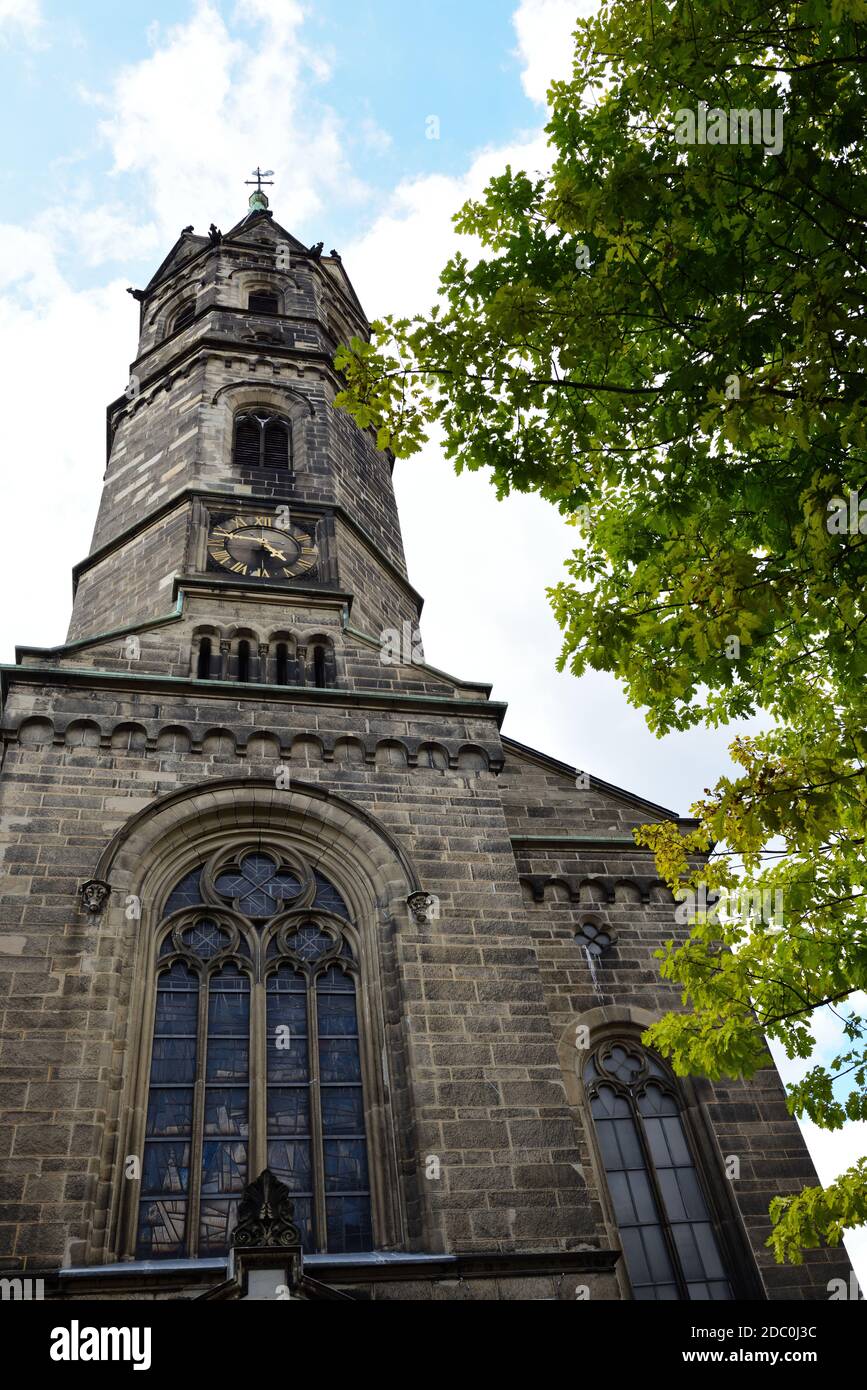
277	895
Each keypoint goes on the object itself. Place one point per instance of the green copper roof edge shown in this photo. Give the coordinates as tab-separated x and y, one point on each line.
572	839
177	612
333	693
586	839
422	665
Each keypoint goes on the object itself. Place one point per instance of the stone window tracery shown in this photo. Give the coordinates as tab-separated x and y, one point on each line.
255	1057
663	1216
594	940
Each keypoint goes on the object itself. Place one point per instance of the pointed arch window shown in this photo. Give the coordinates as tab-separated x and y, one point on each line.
262	440
663	1216
256	1058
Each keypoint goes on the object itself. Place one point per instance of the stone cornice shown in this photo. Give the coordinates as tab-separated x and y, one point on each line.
558	843
214	585
78	676
181	361
247	590
234	243
240	311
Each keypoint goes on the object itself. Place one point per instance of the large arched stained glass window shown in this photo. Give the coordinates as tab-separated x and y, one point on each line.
255	1059
669	1242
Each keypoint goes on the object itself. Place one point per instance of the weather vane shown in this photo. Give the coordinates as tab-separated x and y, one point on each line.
262	176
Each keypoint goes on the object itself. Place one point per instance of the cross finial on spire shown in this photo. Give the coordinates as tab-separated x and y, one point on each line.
261	177
258	199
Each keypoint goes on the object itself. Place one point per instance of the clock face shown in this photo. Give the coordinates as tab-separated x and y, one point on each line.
257	548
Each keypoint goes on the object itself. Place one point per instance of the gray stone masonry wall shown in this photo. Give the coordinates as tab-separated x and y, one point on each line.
485	1080
134	584
748	1119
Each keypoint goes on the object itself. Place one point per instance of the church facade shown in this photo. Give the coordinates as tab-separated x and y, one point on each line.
279	898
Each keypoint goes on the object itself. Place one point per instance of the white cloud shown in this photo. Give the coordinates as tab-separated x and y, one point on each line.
21	19
192	117
63	354
395	265
832	1153
27	266
373	136
100	234
545	45
188	120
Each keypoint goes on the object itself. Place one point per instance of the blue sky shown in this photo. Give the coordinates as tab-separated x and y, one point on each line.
391	66
125	121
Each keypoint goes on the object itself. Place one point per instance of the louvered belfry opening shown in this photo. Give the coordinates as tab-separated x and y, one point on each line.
184	316
261	302
275	445
247	442
262	441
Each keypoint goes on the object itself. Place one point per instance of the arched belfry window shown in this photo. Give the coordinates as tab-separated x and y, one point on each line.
263	302
668	1237
262	440
184	317
256	1057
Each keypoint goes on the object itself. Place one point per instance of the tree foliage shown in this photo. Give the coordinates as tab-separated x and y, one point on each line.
667	341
